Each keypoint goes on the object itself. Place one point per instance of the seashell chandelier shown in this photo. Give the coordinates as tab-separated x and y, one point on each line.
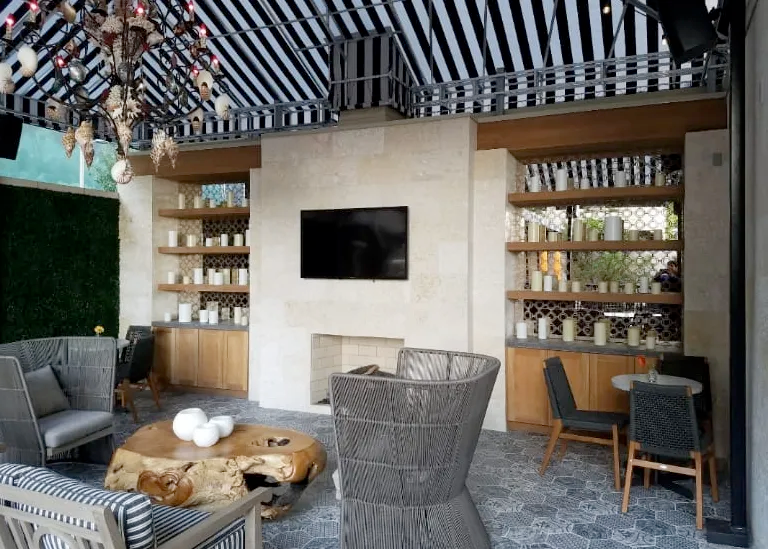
111	99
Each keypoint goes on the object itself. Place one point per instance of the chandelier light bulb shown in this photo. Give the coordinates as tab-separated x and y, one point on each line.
203	31
9	21
190	7
140	10
606	7
60	61
34	8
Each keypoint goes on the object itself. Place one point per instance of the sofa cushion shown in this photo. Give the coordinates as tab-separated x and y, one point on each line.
10	473
62	428
133	512
45	392
169	522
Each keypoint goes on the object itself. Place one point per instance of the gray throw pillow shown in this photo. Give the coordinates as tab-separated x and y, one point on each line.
45	392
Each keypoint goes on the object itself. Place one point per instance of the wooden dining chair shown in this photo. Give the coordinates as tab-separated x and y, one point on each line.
568	418
663	424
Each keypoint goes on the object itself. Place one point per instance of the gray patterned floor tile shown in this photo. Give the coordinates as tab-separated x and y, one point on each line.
567	541
675	542
591	531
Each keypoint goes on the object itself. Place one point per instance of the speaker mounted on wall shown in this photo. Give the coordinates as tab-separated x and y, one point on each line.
10	136
688	27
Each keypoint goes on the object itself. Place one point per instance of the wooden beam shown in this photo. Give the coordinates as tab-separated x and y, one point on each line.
620	130
604	195
216	164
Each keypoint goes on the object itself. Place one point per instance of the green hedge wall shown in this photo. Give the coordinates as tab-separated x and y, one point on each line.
59	264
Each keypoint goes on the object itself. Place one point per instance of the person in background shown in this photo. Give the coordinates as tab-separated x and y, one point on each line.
669	277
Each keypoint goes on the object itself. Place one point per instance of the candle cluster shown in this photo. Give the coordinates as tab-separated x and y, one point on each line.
562	181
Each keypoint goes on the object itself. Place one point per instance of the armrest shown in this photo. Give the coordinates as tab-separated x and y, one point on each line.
218	520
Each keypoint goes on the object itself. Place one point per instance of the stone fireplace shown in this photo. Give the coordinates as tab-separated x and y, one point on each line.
338	353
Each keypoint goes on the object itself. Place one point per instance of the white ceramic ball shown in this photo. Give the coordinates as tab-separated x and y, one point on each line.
28	60
226	425
206	435
186	421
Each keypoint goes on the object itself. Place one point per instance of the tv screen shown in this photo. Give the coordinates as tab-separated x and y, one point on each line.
369	243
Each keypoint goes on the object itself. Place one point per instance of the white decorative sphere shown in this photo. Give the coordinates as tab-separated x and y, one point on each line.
186	421
28	60
206	435
225	424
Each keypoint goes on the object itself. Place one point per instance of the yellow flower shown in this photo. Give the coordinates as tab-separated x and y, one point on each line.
99	330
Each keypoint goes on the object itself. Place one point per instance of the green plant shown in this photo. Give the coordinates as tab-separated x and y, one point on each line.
593	267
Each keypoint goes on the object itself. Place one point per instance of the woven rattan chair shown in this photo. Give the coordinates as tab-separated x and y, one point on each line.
405	444
568	418
85	369
663	423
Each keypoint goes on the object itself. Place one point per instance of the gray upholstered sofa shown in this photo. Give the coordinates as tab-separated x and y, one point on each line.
56	394
46	510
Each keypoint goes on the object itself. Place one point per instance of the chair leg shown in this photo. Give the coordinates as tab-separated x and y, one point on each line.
616	466
557	428
713	476
628	476
152	380
128	395
699	491
646	474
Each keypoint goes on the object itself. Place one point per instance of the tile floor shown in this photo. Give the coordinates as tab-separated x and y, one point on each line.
573	507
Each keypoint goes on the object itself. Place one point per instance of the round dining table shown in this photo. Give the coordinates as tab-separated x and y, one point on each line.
624	382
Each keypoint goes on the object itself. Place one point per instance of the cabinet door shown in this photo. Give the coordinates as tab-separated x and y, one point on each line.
235	375
529	397
602	395
165	354
577	369
211	361
184	367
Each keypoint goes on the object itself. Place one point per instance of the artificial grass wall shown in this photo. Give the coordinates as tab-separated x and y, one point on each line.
59	264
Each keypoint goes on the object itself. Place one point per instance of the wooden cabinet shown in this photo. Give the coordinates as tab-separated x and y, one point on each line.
235	370
210	364
528	400
602	394
184	365
165	351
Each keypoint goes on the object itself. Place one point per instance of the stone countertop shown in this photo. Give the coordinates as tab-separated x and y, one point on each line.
225	325
589	347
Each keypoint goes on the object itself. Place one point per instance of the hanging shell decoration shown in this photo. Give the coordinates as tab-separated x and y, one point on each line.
55	111
172	150
196	118
8	87
158	148
122	171
69	141
84	134
89	153
124	136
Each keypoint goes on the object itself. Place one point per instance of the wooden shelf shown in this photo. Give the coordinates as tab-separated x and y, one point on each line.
205	213
598	246
226	288
205	250
606	195
666	298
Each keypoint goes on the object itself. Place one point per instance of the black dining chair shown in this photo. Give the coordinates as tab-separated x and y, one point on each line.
132	334
663	424
568	418
697	369
137	371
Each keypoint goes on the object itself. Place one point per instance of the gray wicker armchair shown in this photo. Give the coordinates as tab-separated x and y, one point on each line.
405	444
85	370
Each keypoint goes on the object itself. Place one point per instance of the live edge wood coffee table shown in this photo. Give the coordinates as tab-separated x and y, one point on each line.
172	472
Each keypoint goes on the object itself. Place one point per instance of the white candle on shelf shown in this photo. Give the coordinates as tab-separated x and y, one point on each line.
658	234
238	315
210	275
534	184
575	286
561	180
569	329
656	288
633	234
613	228
650	340
613	287
548	280
211	202
534	230
173	239
562	285
553	236
247	237
171	277
585	184
224	239
643	285
197	276
182	201
660	180
242	277
204	316
230	199
537	281
543	331
167	317
577	230
227	274
593	234
209	241
629	288
213	317
185	280
601	337
238	240
244	321
244	203
191	240
602	287
218	279
521	330
633	336
619	179
185	312
198	202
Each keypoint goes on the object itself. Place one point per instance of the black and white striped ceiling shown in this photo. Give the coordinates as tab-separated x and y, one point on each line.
284	57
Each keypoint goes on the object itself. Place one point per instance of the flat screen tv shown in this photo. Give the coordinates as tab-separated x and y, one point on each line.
366	243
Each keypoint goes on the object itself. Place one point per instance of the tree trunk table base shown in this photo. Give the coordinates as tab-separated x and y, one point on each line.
173	472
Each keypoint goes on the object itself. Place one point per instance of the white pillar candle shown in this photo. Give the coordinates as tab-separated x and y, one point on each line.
224	313
197	276
575	286
185	312
656	288
629	288
171	277
585	184
633	234
593	235
650	340
224	238
238	315
218	279
167	317
533	231
173	239
244	321
230	199
242	277
562	285
658	234
191	240
543	331
209	242
607	323
210	275
185	280
244	203
548	280
534	184
633	336
204	316
643	285
553	236
211	202
247	237
577	230
238	240
601	337
542	233
227	274
602	287
182	201
569	329
561	180
613	287
660	180
613	228
198	202
619	179
537	281
213	317
521	330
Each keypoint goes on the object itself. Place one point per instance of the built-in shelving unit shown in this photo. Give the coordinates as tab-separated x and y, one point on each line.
605	195
206	213
597	246
204	250
666	298
226	288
